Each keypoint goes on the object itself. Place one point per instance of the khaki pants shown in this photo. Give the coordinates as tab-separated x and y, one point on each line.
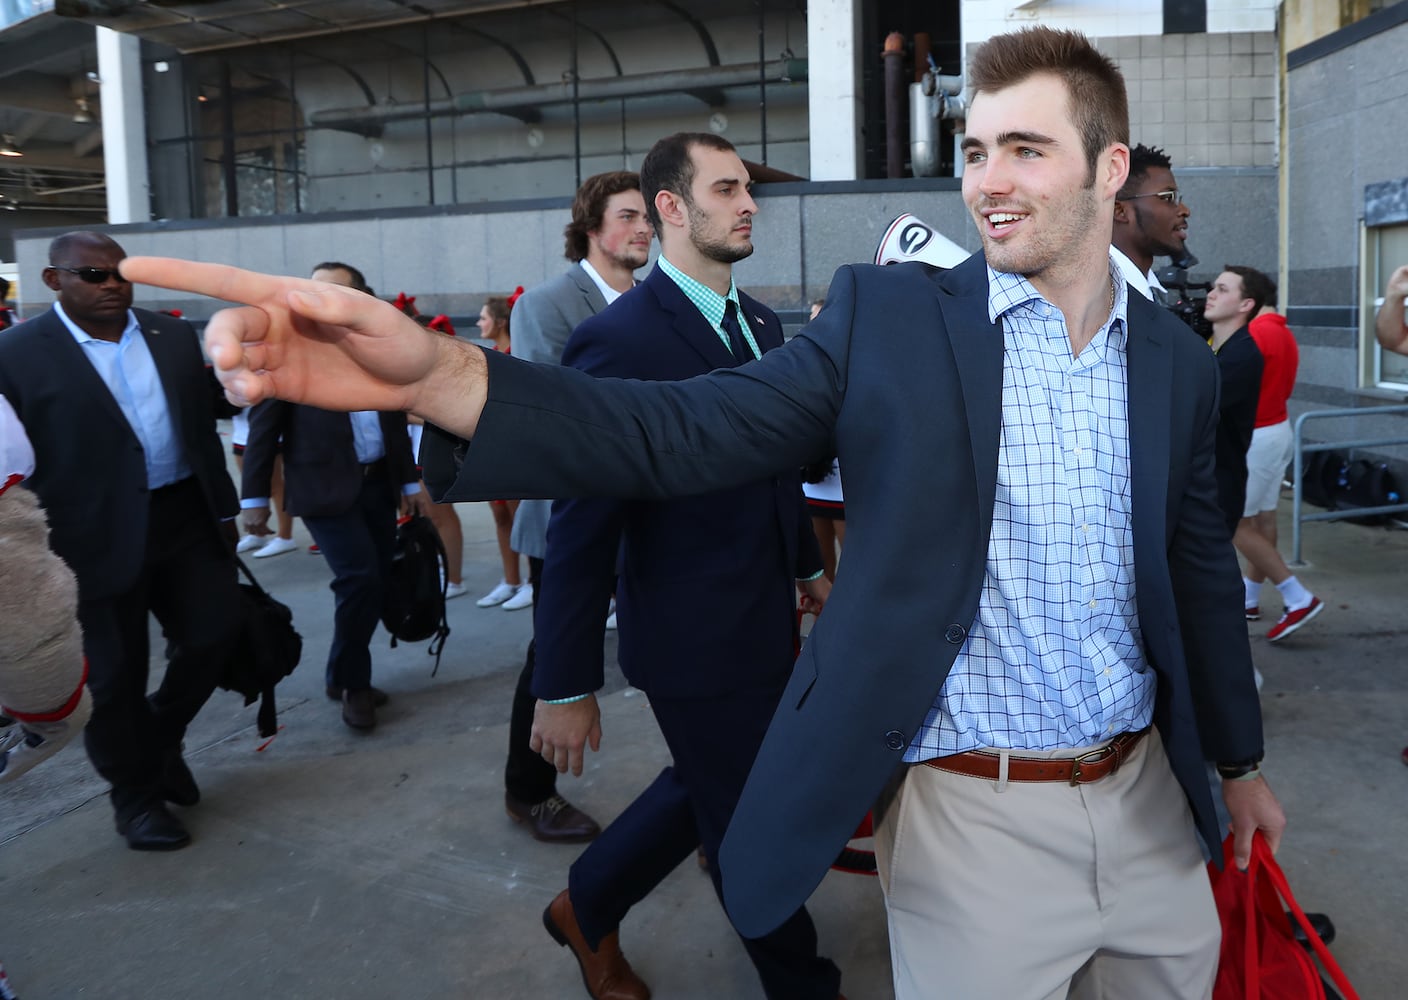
1041	890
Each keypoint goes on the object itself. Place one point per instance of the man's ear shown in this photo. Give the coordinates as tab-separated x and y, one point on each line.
1121	211
671	208
51	278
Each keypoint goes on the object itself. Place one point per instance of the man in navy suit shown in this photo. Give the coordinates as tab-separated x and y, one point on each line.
119	405
1034	638
732	559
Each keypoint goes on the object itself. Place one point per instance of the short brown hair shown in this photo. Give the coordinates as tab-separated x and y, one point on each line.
668	167
1256	285
1095	92
499	307
589	207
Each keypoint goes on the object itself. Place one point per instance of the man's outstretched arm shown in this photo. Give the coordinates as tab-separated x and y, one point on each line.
325	345
1391	325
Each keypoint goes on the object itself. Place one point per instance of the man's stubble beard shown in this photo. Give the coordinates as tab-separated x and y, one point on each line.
719	250
1048	248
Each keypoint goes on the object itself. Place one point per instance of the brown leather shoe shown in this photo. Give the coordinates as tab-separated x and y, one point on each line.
554	820
605	972
359	709
379	697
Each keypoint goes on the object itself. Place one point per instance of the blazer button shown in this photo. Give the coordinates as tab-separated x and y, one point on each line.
895	740
955	634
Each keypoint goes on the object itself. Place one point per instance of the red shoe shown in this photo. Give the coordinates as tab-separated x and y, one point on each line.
1253	613
1293	620
313	550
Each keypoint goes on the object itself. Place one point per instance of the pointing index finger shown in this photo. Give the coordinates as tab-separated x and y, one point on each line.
218	281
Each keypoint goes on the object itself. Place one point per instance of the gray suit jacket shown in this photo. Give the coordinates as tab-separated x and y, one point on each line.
543	318
914	408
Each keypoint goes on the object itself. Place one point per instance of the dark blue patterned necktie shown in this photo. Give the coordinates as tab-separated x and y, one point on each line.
736	341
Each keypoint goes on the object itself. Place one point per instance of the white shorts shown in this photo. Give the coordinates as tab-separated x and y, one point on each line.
1270	452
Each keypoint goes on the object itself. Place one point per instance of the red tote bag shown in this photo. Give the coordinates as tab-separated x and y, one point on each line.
1261	959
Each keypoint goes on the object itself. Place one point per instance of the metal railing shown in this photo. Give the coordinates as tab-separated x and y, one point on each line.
1302	449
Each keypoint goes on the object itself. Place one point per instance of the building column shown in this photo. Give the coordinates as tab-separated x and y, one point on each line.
834	89
124	127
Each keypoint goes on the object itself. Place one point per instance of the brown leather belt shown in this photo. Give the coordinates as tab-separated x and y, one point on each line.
1082	770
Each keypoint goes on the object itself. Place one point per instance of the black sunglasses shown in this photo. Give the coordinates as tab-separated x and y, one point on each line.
92	275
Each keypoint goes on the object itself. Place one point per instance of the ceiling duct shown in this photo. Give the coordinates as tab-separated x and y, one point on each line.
516	100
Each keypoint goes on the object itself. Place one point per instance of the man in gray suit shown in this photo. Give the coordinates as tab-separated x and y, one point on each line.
607	240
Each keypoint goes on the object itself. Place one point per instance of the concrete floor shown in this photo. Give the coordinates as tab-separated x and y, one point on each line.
339	865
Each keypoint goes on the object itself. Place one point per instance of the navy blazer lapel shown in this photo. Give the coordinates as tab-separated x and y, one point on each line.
977	345
766	332
1150	396
689	323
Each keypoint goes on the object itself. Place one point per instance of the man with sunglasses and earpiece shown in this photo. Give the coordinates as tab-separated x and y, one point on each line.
1151	220
121	409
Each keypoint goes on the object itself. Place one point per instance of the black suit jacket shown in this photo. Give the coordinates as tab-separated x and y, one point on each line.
707	583
1239	366
90	471
322	476
904	371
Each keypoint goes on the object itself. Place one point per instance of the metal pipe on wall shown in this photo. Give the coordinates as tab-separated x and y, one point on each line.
894	104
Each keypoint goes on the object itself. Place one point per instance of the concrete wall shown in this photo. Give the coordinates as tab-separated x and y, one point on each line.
452	258
1347	116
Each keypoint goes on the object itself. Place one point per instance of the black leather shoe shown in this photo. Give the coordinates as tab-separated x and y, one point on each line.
154	830
178	785
1319	922
379	697
359	709
554	820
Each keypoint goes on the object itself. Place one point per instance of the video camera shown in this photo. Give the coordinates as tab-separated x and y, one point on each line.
1183	300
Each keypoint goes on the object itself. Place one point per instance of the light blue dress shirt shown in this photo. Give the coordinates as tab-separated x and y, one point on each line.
1055	656
127	369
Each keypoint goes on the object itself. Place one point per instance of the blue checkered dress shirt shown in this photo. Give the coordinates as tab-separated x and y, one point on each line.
1055	657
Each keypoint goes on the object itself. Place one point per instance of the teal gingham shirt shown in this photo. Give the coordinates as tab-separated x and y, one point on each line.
711	304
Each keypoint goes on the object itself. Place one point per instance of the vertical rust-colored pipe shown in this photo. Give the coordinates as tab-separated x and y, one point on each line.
921	55
894	104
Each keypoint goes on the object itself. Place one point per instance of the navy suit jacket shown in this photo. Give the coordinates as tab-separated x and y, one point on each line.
707	595
91	472
322	476
904	370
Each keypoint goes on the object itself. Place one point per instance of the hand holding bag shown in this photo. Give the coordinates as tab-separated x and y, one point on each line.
1261	959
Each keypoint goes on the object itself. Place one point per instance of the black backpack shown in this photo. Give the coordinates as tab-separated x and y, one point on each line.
1363	483
414	606
1320	477
267	650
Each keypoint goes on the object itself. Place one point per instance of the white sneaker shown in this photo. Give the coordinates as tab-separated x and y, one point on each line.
277	546
523	598
502	592
251	542
453	590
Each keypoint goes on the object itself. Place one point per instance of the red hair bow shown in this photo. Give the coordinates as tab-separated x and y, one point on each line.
514	297
442	324
405	303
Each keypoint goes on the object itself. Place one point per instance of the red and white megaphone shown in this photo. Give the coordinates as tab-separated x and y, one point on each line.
907	238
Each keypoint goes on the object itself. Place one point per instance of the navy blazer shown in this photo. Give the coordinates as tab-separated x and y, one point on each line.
322	476
91	473
904	369
707	594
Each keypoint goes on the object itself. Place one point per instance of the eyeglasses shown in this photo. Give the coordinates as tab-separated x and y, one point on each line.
92	275
1169	197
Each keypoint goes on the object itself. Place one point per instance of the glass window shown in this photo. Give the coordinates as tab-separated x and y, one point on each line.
1385	249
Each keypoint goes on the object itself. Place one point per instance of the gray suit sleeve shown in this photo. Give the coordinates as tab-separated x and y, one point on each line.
540	329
